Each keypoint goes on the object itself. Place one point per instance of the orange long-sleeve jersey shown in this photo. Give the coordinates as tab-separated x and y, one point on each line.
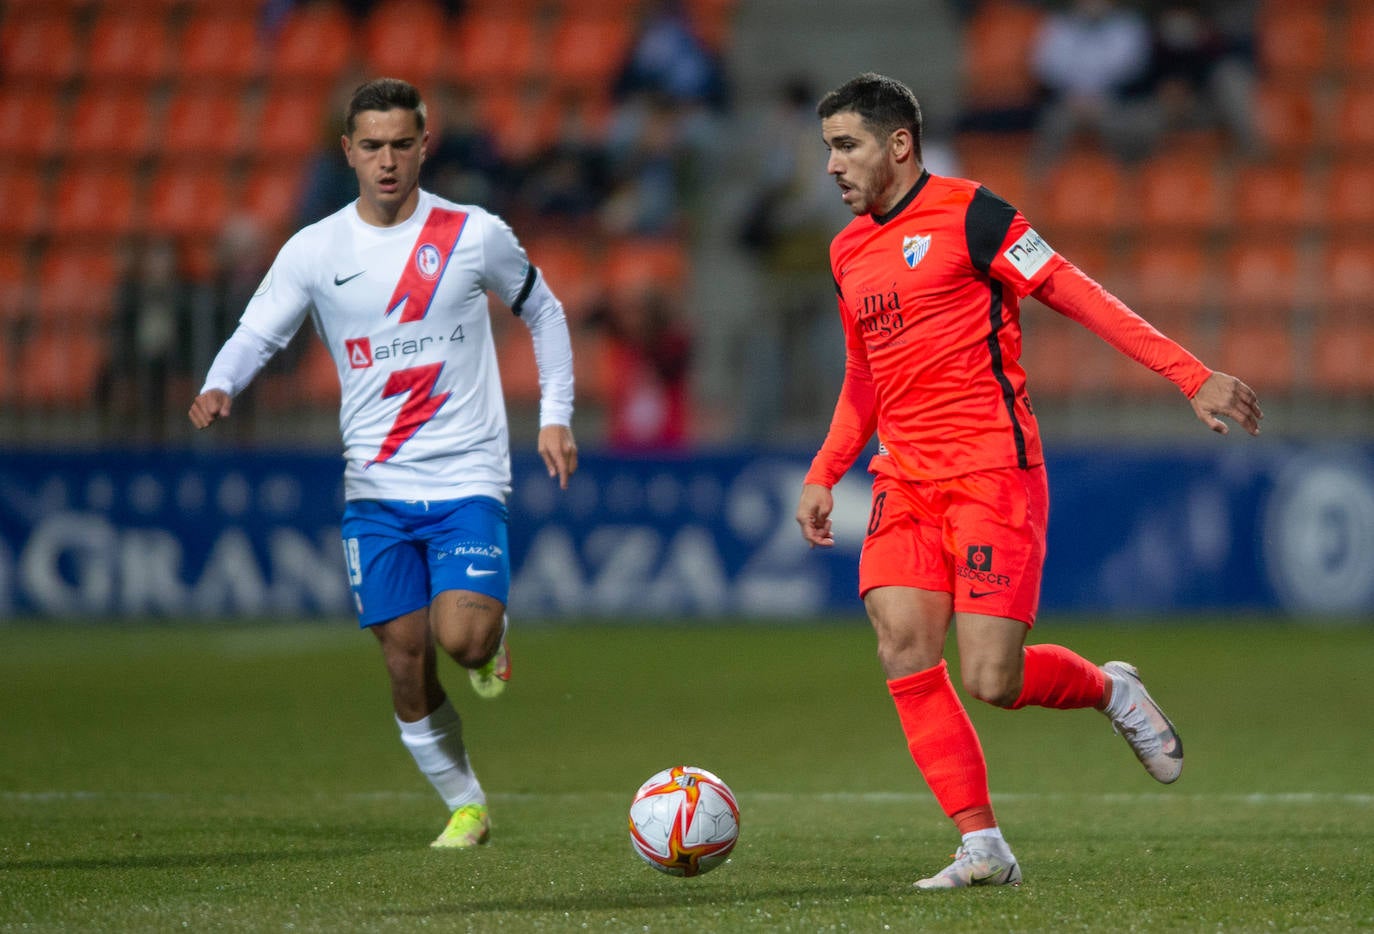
930	299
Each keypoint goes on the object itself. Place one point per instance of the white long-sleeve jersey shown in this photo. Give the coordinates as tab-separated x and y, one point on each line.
403	311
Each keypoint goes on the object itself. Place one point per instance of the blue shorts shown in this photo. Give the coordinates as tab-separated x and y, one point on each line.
402	554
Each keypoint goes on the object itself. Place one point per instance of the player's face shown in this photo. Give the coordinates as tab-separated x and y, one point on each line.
862	164
385	151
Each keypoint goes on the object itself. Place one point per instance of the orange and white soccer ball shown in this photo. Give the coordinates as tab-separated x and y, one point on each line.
684	821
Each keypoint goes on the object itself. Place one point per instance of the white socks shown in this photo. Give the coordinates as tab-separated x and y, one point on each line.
436	742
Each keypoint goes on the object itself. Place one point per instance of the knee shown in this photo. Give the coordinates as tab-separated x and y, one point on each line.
472	645
997	686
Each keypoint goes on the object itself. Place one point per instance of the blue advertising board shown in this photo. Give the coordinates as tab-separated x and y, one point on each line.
1238	524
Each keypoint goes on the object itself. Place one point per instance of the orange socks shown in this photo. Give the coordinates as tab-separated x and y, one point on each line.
1056	677
944	745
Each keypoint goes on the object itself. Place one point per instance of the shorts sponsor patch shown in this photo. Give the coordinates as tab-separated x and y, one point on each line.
1029	254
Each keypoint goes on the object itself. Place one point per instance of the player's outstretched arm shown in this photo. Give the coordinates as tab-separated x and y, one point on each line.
1223	394
813	515
210	406
559	450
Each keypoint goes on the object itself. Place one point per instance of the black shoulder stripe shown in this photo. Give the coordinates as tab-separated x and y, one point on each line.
530	275
838	291
985	227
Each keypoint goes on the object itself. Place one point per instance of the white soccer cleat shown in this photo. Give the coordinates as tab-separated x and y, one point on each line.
975	864
1153	738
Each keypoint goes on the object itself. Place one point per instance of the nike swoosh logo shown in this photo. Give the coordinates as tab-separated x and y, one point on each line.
338	281
978	594
474	572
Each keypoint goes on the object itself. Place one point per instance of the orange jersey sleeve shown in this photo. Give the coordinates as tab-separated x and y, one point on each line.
1071	293
855	416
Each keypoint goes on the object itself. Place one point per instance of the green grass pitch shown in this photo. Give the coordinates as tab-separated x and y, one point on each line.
249	777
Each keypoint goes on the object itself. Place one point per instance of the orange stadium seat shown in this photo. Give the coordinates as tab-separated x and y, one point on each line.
711	21
110	122
219	45
1169	277
24	195
1357	43
1276	198
1179	192
314	43
1350	195
292	124
205	122
1348	278
95	202
569	270
999	161
15	286
272	196
405	39
997	53
32	124
1341	355
316	377
41	47
127	46
1085	192
1354	121
1286	116
1058	355
1262	347
524	120
60	367
519	373
77	283
495	47
1293	39
188	201
587	49
1263	276
632	263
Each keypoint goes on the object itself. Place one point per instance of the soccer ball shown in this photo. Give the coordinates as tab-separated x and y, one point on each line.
684	821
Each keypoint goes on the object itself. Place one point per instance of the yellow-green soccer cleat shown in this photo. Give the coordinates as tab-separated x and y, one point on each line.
490	680
469	826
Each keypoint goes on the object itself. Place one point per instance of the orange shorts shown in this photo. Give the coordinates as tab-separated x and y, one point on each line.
979	537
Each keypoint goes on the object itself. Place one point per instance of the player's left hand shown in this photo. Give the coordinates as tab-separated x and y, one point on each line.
1223	394
559	450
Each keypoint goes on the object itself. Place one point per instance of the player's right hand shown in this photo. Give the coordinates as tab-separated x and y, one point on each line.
210	406
813	515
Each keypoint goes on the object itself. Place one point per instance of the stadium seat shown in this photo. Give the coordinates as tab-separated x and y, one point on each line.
24	195
1181	325
1178	192
16	287
127	46
1293	40
1276	198
1263	276
1357	44
95	202
1341	355
34	117
77	284
314	44
59	367
272	195
1058	356
1169	277
491	47
996	55
111	122
40	47
524	120
711	21
205	123
1262	347
569	270
1286	117
1354	121
998	160
316	377
188	201
293	123
405	39
1348	278
1084	193
220	46
1350	196
586	50
634	262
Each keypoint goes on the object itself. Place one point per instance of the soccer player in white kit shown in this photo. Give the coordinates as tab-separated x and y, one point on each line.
396	284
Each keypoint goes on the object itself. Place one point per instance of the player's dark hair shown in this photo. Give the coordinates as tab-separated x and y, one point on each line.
885	105
384	94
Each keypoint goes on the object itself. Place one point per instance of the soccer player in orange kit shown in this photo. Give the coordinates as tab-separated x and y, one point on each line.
930	274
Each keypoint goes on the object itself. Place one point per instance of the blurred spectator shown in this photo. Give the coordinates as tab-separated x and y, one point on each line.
464	163
568	180
794	211
152	338
329	181
1093	62
650	354
1202	76
668	58
650	173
